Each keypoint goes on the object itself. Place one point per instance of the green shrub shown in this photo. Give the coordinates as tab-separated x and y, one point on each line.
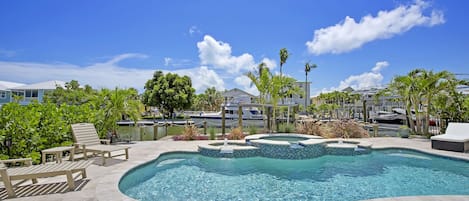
286	128
211	131
252	130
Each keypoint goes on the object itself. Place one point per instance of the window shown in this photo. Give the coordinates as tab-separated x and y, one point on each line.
18	93
3	94
31	93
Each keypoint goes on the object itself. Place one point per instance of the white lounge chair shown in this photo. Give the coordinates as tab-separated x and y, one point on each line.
456	138
86	139
39	171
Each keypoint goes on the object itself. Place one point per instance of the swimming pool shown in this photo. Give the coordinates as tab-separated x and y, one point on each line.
384	173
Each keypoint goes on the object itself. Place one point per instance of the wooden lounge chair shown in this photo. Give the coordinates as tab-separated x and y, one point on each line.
456	138
39	171
86	140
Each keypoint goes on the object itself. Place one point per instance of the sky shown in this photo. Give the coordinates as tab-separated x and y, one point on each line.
114	43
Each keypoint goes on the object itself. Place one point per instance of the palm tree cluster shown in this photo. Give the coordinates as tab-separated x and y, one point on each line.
210	100
272	87
333	101
422	93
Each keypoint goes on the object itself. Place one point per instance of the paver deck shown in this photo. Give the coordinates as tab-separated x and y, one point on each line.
102	183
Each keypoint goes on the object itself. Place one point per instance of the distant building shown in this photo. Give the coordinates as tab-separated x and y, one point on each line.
300	99
238	96
5	92
35	91
297	99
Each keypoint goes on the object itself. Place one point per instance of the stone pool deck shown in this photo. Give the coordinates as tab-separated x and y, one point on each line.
102	181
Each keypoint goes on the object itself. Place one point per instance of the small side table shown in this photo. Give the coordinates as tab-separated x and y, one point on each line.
57	151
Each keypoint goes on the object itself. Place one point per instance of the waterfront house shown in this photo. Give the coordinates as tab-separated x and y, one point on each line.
5	92
36	91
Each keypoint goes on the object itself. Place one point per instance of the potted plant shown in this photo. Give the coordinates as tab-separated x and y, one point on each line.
404	131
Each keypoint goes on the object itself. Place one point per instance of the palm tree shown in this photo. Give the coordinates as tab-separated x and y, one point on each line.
434	84
283	59
120	103
261	79
308	67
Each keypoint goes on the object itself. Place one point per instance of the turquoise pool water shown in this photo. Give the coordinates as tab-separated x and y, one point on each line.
386	173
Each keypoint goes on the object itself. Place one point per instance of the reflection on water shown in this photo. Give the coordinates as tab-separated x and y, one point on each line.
139	133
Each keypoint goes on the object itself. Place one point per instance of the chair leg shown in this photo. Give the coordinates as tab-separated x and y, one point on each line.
83	173
103	154
7	182
126	154
84	154
70	181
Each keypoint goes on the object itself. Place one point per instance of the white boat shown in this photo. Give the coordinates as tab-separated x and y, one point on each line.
397	116
252	116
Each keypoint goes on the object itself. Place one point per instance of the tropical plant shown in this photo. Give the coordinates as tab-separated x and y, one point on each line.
252	130
308	67
421	88
212	134
119	104
287	128
283	59
168	92
261	78
236	134
210	100
190	132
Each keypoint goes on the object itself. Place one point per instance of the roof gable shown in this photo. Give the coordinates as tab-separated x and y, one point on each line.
4	85
52	84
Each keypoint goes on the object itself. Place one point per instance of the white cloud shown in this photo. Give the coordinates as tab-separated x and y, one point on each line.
98	75
379	66
203	78
194	30
349	34
101	75
121	57
217	54
271	64
367	80
245	84
167	61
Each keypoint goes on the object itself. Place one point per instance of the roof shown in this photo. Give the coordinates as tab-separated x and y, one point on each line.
4	85
52	84
235	91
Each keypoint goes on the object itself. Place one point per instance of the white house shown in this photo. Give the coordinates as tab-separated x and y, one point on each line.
36	91
5	92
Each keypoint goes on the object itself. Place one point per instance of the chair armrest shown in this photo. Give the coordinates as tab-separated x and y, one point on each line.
106	141
24	161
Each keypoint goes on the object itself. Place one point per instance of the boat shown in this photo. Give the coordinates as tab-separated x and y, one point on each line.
252	116
396	116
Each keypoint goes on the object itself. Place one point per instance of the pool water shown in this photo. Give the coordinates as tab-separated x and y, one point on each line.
386	173
285	138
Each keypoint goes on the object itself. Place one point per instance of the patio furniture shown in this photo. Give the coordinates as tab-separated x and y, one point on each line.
57	152
39	171
456	138
86	140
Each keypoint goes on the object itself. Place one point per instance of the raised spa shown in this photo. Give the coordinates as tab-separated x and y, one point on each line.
285	146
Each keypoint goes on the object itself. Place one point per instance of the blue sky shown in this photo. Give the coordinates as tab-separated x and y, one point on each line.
359	43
